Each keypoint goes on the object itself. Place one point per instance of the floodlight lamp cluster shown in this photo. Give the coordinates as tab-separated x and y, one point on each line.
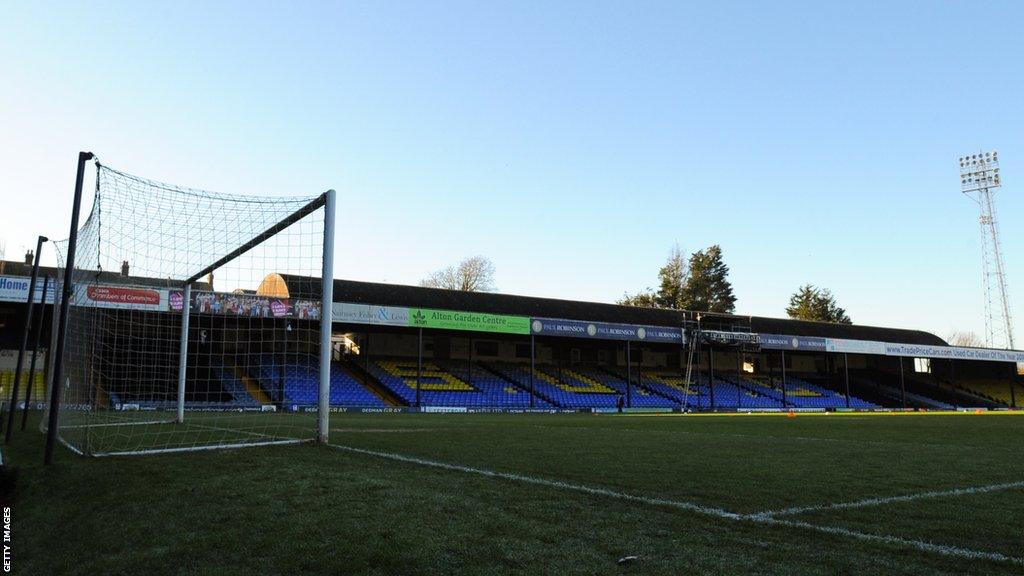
979	171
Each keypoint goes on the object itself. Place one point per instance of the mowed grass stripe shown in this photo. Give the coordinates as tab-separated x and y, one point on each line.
964	553
740	474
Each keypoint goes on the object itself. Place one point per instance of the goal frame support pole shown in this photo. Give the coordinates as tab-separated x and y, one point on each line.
186	309
35	353
326	320
65	304
24	340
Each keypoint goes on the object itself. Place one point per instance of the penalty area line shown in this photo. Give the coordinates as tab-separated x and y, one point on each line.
889	500
954	551
690	506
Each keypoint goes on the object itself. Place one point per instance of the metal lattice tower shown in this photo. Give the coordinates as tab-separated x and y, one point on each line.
979	180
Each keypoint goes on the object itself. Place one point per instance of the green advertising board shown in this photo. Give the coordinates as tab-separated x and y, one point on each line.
473	321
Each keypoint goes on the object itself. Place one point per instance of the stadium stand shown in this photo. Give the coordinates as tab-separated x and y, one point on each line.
994	391
301	386
447	384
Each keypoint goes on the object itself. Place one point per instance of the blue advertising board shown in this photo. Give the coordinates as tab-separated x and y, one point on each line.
783	342
605	331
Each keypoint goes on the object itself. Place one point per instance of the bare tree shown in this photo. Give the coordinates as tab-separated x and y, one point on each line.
965	339
473	274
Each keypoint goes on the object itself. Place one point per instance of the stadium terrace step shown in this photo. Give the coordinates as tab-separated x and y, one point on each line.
360	375
543	398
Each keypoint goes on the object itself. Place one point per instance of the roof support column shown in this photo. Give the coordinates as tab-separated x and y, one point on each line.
846	376
903	386
629	376
533	367
784	400
419	364
711	375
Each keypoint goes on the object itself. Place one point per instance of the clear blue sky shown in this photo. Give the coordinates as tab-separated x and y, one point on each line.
572	143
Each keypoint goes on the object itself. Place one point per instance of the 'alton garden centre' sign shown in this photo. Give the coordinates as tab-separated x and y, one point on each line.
473	321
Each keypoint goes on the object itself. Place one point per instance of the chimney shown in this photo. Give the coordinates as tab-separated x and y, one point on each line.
29	257
124	268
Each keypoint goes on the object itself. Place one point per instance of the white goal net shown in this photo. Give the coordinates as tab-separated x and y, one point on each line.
187	328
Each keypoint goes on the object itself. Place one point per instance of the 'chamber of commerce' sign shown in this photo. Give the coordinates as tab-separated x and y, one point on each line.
605	331
473	321
121	297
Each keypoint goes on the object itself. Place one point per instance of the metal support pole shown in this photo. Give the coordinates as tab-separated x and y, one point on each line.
711	375
533	360
785	397
784	401
24	340
952	377
65	304
952	389
833	363
186	308
326	320
282	367
629	376
35	352
846	375
419	364
739	379
903	385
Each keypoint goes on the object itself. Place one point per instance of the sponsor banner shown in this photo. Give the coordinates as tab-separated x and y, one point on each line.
15	289
633	410
605	331
249	305
443	409
371	410
781	342
473	321
954	352
370	314
120	297
723	337
854	346
922	350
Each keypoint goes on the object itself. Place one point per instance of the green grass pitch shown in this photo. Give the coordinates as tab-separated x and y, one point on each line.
572	494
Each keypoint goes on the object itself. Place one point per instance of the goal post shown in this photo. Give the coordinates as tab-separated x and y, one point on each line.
326	320
178	329
186	311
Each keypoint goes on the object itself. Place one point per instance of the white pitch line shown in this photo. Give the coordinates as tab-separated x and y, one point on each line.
944	550
133	423
690	506
964	553
889	500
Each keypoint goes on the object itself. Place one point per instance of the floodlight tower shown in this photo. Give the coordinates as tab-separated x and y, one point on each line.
979	180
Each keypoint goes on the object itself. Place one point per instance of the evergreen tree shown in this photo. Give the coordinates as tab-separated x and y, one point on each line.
673	277
643	300
818	304
802	303
707	287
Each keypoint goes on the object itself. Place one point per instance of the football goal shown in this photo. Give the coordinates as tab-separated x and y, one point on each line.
191	319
